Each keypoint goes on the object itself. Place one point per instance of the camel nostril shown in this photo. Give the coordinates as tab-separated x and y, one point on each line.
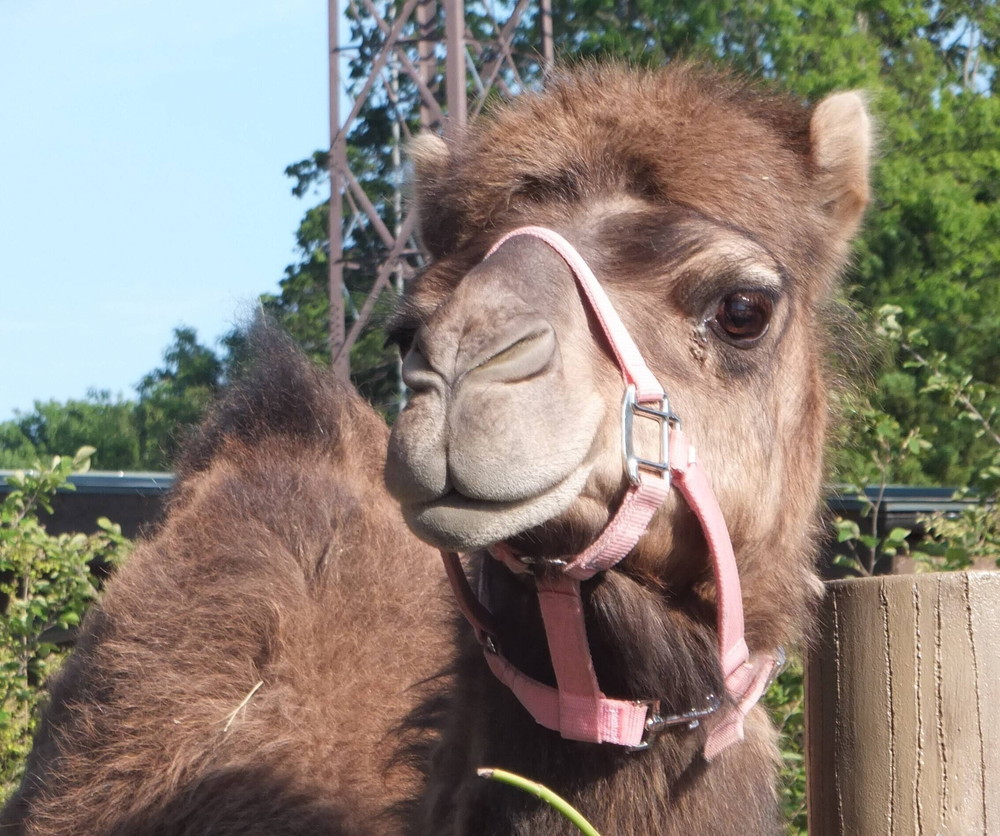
518	356
417	372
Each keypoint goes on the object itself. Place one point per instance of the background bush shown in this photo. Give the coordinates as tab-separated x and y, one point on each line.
46	583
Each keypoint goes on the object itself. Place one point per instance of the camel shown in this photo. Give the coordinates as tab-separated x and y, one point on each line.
284	656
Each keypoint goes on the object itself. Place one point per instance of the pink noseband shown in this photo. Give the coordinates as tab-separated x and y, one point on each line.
577	708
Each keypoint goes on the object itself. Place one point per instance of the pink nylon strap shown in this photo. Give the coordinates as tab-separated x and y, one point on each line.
615	721
620	535
585	713
625	350
692	481
577	708
748	684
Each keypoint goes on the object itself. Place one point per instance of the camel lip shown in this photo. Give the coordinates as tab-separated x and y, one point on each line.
456	522
451	498
454	498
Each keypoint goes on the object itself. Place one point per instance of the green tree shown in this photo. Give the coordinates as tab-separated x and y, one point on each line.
173	398
52	425
140	434
302	306
16	447
931	248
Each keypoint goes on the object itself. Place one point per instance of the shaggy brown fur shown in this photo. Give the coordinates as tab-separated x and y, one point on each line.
284	562
683	136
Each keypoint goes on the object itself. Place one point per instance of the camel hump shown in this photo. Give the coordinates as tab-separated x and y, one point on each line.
243	671
280	394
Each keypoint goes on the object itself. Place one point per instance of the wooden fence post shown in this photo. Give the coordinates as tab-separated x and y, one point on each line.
903	707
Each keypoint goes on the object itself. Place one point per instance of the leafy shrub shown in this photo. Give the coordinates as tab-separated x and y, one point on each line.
956	542
785	700
46	584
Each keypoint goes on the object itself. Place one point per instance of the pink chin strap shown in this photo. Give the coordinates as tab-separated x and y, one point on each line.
577	708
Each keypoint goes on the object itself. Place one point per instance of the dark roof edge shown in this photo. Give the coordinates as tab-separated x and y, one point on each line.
110	482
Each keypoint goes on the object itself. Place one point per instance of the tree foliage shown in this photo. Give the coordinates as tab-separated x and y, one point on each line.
46	583
173	397
52	425
141	434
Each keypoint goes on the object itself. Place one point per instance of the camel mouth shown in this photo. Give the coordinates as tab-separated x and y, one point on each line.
457	522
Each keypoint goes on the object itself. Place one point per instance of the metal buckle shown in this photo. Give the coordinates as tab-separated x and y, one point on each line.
779	665
632	408
488	643
543	562
656	722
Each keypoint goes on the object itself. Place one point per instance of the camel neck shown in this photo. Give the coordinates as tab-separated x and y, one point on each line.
640	644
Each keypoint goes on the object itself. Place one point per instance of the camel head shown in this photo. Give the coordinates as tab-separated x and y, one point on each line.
716	217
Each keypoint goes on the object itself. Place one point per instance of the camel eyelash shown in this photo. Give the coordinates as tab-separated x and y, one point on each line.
401	335
698	294
402	325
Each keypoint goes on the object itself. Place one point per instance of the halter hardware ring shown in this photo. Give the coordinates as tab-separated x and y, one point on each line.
631	408
656	722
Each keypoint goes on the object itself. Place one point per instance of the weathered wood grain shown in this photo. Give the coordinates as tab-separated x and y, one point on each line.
902	686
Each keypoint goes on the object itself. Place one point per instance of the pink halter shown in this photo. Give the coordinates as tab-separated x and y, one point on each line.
577	708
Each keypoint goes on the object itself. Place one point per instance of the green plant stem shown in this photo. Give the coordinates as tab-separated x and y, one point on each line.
542	792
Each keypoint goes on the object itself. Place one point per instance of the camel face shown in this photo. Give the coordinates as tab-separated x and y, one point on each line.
714	222
498	436
514	418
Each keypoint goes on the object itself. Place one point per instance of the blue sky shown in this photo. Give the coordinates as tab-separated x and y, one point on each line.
142	150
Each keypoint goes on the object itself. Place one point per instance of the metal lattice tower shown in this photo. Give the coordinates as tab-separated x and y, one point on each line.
421	72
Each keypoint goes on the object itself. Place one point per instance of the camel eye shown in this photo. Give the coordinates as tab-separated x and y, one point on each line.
742	318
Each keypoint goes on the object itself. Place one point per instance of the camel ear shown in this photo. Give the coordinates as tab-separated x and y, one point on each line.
429	154
431	158
841	138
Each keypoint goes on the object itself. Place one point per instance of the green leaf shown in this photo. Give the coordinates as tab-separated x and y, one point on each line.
847	530
897	537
